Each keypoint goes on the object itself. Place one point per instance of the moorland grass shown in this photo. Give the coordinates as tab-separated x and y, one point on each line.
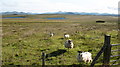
24	39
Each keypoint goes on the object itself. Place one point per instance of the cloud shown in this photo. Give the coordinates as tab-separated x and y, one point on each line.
41	6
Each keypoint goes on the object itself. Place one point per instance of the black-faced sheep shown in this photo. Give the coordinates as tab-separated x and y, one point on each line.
84	56
52	34
69	44
66	35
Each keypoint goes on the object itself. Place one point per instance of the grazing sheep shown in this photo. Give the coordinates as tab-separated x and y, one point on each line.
69	44
84	56
51	34
66	35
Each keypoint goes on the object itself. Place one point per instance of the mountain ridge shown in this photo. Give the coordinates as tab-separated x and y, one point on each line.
66	13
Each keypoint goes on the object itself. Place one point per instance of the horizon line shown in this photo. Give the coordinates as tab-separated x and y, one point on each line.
56	11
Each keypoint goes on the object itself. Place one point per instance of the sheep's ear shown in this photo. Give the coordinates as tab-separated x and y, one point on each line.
79	51
89	50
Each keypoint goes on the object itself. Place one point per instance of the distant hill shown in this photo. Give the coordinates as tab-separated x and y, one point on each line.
82	13
16	13
67	13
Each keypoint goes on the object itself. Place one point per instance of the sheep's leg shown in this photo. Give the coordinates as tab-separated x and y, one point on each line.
68	50
86	62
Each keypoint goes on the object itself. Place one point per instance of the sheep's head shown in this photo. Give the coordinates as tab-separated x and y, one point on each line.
89	50
70	41
80	51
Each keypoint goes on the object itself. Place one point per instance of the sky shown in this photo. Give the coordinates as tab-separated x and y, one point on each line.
43	6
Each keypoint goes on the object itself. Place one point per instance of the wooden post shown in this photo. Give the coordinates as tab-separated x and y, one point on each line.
107	51
97	56
43	59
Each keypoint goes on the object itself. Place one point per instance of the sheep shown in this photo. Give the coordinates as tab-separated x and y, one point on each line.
66	35
69	44
52	34
84	56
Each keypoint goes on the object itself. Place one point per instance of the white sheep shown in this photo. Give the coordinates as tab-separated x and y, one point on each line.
66	35
84	56
51	34
69	44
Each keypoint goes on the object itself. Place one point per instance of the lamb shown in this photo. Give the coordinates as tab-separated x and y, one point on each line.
69	44
84	56
66	35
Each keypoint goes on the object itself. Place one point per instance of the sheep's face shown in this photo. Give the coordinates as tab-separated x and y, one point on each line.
69	41
80	54
79	57
79	51
89	50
